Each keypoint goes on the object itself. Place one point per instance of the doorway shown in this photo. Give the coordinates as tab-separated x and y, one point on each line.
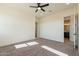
36	29
71	30
67	29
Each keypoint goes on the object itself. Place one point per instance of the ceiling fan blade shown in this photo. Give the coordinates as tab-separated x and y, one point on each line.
36	10
34	6
38	4
43	10
44	5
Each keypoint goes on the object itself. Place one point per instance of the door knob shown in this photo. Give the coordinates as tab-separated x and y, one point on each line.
75	34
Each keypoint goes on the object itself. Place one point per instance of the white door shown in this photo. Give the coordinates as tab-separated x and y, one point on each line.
74	30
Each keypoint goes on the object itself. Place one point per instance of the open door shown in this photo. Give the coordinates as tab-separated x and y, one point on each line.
71	29
74	30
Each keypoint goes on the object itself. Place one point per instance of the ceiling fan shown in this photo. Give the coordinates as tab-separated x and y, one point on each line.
40	7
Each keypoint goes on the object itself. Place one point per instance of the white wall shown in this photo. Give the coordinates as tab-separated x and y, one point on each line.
15	26
52	27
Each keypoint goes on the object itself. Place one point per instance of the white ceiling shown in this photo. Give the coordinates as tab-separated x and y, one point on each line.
52	8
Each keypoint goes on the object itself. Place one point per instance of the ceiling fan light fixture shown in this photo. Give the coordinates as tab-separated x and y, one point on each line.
38	8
